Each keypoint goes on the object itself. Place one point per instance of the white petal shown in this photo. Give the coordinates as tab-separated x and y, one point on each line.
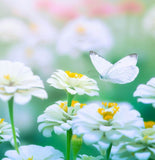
143	155
91	138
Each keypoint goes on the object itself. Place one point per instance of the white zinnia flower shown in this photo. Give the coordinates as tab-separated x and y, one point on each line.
34	152
58	117
148	22
142	147
73	83
83	35
146	92
6	132
41	30
12	29
18	81
109	123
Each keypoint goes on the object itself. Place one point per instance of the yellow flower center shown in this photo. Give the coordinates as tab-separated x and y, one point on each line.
81	105
29	52
63	105
73	103
108	115
30	158
73	75
149	124
1	121
110	104
7	77
33	27
74	136
80	29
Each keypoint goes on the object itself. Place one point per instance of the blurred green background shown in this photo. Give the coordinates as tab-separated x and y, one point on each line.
129	37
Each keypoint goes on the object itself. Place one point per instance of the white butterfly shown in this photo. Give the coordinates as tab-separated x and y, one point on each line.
123	71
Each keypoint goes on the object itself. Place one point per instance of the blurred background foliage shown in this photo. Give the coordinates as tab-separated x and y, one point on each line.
126	21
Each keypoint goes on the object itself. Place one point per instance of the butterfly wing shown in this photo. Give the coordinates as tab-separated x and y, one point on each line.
124	71
101	65
129	60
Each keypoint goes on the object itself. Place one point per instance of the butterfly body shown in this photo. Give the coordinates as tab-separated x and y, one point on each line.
123	71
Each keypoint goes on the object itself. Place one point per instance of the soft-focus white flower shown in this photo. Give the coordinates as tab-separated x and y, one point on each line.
27	8
142	147
58	117
146	92
12	29
83	35
149	23
108	123
41	30
18	81
73	83
34	152
37	57
6	132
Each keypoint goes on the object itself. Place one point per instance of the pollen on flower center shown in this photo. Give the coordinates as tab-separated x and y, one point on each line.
30	158
149	124
33	27
7	77
1	121
29	52
80	29
106	113
73	75
63	105
75	102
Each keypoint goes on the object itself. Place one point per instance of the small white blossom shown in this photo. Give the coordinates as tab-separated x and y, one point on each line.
34	152
12	29
37	57
41	30
142	146
58	117
108	123
18	81
83	35
73	83
6	132
146	92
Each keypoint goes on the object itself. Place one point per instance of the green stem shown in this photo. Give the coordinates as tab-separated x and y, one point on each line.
69	136
74	157
69	99
108	151
69	132
10	105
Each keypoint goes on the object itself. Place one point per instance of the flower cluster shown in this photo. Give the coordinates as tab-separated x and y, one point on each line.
142	147
117	130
